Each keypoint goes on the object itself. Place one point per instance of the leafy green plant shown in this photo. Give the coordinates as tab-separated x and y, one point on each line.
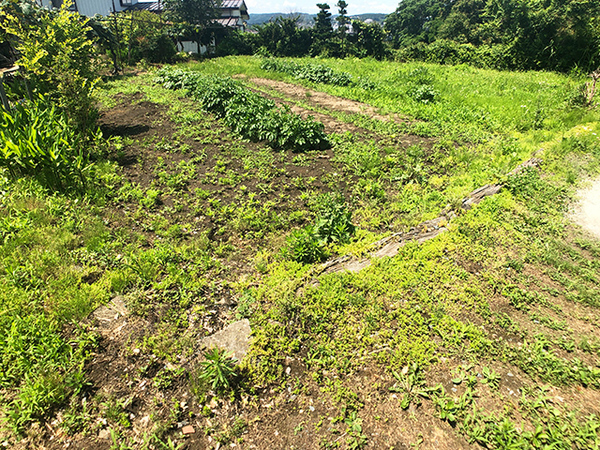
306	246
247	113
218	370
315	73
424	94
58	57
356	440
490	377
452	409
37	141
411	383
334	221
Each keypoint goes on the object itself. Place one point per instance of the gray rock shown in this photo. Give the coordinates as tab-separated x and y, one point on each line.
106	315
235	339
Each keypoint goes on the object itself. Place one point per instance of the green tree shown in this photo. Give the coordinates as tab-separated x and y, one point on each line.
283	37
368	40
519	34
322	31
463	23
342	20
415	21
236	43
197	16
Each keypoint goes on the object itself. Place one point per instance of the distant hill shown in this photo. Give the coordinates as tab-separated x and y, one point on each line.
258	19
307	20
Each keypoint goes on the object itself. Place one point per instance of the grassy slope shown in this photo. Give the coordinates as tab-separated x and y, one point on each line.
512	287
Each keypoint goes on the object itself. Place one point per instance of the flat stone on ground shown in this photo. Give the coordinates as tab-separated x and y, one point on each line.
106	315
235	338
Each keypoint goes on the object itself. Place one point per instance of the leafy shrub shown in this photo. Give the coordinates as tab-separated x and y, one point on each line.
280	65
38	141
420	75
156	49
248	114
334	221
444	51
424	94
235	43
332	225
305	246
147	37
318	73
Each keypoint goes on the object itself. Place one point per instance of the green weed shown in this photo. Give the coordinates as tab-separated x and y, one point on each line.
218	370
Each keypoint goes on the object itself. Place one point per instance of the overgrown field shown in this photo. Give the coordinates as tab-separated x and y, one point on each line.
214	199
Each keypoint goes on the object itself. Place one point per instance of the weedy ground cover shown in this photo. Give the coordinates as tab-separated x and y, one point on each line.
483	335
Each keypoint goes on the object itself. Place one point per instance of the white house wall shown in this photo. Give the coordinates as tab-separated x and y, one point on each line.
92	7
190	47
45	3
231	13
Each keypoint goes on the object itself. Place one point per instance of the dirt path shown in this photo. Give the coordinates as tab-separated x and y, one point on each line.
324	100
296	96
587	211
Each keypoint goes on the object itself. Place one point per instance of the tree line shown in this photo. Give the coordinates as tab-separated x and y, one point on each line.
284	37
560	35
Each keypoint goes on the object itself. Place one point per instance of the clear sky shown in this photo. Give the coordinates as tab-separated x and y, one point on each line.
309	6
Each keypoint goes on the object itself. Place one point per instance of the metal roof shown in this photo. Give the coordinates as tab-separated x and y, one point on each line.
232	4
157	7
146	6
228	21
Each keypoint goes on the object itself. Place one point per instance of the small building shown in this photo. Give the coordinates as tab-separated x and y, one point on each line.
234	13
91	8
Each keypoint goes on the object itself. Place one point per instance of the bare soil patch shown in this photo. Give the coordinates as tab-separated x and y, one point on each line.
324	100
587	211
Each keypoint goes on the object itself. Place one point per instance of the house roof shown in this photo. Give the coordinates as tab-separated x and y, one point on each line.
156	7
228	21
232	4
